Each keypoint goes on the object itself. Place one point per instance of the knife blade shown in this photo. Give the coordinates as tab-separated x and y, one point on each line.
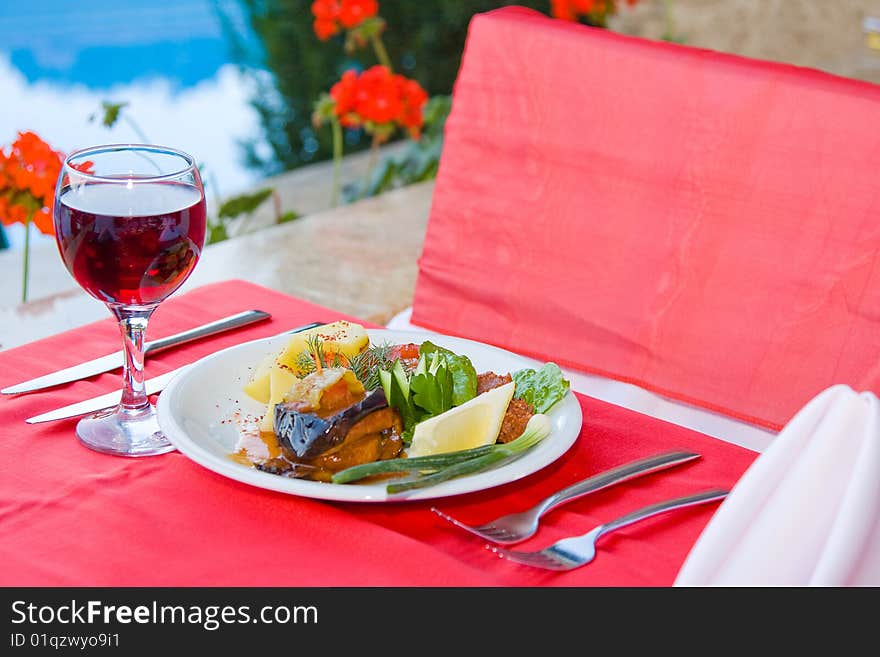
103	402
109	400
115	360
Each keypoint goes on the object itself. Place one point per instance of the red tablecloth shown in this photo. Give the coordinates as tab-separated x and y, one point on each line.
700	224
72	516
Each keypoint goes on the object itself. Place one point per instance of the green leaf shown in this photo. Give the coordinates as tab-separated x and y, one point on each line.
672	38
244	203
540	388
25	199
383	179
464	375
324	109
432	390
435	112
111	112
216	233
287	216
428	392
370	27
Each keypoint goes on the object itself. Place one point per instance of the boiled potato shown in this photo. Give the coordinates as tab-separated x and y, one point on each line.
342	337
339	337
258	386
276	373
280	381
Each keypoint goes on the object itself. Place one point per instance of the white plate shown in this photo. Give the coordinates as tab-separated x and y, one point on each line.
196	406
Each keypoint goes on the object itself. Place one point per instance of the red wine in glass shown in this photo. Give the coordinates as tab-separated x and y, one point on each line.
130	227
131	246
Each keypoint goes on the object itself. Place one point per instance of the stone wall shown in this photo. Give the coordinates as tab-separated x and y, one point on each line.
822	34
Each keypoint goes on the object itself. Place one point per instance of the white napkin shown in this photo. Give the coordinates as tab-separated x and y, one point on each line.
807	511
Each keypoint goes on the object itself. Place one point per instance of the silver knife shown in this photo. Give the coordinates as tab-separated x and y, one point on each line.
113	361
111	399
101	402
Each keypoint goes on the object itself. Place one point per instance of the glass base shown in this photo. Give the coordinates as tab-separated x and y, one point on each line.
124	432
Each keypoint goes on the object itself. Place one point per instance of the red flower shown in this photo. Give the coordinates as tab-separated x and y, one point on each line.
28	173
325	29
354	12
43	220
344	93
27	182
571	10
414	99
331	16
325	10
563	9
381	99
378	95
12	214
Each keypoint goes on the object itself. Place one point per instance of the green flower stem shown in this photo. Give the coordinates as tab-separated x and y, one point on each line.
27	251
381	53
374	156
669	21
134	126
337	160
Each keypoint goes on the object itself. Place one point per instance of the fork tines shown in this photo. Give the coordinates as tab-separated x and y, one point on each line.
537	559
487	532
484	531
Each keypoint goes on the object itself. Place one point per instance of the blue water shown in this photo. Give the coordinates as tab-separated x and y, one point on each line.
169	60
100	43
184	63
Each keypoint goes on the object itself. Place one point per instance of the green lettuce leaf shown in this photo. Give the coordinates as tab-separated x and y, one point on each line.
426	393
432	389
464	376
541	388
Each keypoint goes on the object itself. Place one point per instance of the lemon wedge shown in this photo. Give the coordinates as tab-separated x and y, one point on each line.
472	424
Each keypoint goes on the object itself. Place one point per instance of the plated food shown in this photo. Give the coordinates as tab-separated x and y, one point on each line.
205	414
340	408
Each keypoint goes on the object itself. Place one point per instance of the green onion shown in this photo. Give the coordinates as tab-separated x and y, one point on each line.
415	464
442	467
536	430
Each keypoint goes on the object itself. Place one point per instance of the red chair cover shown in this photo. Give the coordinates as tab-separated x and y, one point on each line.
703	225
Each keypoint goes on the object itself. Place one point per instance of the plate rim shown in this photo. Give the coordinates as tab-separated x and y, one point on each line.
363	493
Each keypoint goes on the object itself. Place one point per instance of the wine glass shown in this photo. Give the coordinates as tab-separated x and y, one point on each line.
130	226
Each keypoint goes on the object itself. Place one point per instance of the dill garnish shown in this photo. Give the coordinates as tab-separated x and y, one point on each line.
305	364
315	346
315	358
366	365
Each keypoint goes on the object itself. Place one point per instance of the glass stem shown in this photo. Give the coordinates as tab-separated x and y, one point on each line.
133	327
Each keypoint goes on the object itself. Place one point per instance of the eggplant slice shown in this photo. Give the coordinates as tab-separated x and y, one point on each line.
307	435
315	447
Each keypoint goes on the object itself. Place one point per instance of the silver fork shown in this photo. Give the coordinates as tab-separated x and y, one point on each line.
516	527
570	553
